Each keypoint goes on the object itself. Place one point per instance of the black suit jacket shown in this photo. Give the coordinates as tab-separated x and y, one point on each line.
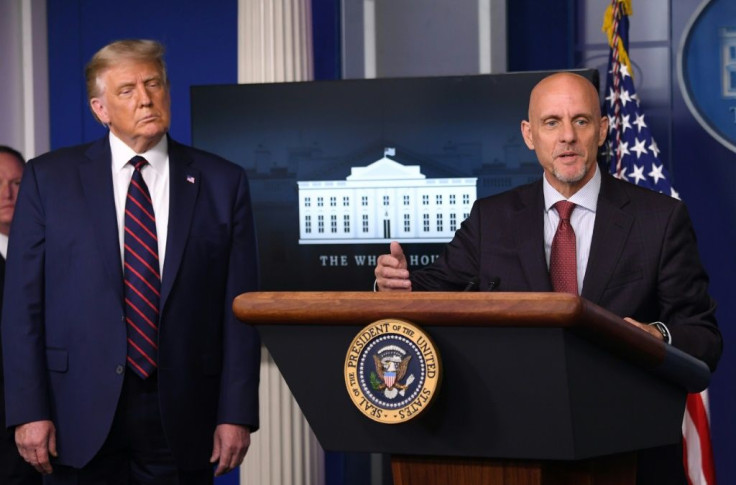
643	259
13	468
63	326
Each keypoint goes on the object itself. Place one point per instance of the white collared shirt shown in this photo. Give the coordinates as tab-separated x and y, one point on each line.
4	245
582	220
156	176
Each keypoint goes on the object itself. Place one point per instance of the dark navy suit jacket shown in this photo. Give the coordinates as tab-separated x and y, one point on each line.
13	468
643	259
64	338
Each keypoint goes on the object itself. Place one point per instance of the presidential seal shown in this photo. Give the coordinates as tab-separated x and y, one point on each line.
706	70
392	371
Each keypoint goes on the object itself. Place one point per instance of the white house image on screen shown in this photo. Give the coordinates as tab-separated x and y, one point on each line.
728	58
383	201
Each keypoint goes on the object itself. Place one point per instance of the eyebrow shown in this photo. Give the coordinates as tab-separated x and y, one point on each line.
128	83
557	116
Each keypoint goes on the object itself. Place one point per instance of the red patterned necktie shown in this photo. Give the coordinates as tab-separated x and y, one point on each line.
141	275
563	260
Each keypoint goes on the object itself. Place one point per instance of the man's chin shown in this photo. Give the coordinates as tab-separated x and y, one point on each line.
153	134
568	177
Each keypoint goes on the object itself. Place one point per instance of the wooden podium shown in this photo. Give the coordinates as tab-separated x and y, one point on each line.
537	388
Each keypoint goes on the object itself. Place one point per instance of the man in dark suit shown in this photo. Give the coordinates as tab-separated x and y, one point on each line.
123	360
635	250
13	469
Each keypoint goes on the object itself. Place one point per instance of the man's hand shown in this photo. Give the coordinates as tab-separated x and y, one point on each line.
391	270
36	443
230	446
651	330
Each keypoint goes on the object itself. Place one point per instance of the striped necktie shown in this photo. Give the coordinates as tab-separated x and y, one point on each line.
141	275
563	258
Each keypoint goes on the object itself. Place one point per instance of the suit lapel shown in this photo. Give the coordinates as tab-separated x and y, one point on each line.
95	174
184	183
529	229
612	227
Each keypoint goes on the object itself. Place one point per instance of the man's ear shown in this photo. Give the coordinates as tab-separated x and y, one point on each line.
526	133
603	133
98	108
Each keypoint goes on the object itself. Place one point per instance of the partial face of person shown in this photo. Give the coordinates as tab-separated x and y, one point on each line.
11	171
565	129
134	102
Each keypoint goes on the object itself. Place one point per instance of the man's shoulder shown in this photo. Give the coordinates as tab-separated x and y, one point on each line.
62	158
518	196
614	188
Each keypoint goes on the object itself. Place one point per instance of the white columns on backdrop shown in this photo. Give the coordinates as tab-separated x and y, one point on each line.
284	451
275	45
274	41
24	124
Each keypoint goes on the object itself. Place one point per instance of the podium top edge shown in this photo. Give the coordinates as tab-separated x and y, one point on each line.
426	308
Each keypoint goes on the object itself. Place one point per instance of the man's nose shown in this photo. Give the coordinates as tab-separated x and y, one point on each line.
144	98
6	191
567	133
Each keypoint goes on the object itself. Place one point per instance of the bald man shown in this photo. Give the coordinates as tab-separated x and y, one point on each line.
639	245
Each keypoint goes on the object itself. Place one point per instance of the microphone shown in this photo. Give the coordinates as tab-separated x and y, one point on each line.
472	285
494	283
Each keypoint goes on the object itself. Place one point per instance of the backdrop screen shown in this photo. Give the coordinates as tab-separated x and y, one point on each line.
338	169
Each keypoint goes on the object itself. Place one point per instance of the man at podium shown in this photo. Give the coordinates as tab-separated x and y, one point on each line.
627	249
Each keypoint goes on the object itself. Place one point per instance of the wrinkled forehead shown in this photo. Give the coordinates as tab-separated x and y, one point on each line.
564	92
129	71
132	68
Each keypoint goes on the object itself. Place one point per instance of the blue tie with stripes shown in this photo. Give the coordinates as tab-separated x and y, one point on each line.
141	275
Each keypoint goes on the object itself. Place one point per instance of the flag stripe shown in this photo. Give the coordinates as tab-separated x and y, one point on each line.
698	452
634	157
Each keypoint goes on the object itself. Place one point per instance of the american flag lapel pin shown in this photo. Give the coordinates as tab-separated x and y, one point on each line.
190	179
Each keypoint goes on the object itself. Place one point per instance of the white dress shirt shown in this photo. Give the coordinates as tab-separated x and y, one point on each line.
156	176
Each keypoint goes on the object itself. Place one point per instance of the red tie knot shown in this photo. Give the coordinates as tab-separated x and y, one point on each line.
564	209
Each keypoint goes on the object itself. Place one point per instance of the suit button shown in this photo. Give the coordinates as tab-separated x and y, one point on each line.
120	369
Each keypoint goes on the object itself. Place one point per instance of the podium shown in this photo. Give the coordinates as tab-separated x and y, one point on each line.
537	388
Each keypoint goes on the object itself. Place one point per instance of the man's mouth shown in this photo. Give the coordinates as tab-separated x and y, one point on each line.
148	118
566	156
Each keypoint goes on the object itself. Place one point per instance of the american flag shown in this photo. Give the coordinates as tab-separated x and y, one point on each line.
633	153
634	156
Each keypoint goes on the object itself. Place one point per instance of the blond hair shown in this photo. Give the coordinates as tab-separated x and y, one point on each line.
133	49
